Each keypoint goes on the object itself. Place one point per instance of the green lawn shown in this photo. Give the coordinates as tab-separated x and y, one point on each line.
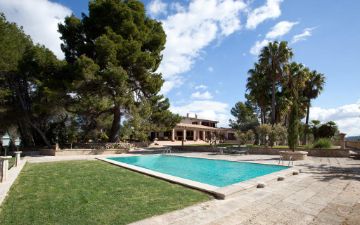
90	192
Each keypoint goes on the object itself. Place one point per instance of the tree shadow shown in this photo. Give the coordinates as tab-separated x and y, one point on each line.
326	172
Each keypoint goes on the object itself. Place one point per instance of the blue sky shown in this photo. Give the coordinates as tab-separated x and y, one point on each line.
212	44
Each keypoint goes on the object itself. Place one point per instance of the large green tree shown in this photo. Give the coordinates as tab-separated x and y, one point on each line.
296	76
115	51
245	117
274	57
29	80
259	91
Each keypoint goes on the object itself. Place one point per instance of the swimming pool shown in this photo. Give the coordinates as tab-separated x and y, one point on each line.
219	173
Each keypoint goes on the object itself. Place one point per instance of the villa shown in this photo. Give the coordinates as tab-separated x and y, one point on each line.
195	129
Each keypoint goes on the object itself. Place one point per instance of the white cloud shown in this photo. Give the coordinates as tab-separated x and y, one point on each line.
212	110
201	86
280	29
177	7
39	19
192	29
202	95
347	117
303	36
270	10
157	7
210	69
256	48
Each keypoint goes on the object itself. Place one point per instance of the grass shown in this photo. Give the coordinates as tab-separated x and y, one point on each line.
90	192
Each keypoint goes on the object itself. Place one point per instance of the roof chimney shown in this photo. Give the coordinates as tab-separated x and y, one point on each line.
195	116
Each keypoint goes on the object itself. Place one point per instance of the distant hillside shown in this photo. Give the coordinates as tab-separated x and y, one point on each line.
353	138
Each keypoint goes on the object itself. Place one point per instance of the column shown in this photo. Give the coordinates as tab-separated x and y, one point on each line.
4	167
184	134
342	140
17	157
204	135
194	135
173	135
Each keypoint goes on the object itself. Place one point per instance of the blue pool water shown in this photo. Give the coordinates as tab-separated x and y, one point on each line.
218	173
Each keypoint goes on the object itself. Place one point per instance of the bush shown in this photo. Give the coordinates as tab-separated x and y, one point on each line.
322	143
278	134
262	131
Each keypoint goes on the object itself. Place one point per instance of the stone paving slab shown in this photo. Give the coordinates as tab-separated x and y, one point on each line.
327	192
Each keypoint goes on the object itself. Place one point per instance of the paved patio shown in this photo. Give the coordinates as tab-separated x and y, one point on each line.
326	192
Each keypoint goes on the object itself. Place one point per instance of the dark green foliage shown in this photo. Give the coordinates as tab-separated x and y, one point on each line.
272	80
31	90
108	77
245	117
293	128
90	192
322	143
273	58
115	51
326	130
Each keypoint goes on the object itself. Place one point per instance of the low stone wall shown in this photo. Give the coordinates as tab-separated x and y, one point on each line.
352	144
268	151
64	152
265	151
194	148
311	152
329	152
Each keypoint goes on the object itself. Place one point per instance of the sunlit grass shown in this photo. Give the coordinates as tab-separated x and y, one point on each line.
90	192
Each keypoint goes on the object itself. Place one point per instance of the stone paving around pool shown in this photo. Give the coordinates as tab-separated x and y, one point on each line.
327	191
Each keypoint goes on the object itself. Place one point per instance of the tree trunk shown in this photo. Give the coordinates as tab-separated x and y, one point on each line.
307	113
42	135
27	138
273	103
115	127
305	138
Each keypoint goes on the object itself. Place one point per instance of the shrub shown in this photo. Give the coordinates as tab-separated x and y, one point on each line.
322	143
250	136
262	131
277	134
241	136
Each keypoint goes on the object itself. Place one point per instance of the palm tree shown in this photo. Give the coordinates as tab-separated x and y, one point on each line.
313	87
274	58
258	90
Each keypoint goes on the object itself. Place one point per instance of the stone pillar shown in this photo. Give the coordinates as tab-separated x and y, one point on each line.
184	134
194	135
204	135
4	167
173	135
17	157
342	140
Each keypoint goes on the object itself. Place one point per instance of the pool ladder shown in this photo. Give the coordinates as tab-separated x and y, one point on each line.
167	150
281	160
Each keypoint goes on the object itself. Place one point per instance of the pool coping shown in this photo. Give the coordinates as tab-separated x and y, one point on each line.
218	192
